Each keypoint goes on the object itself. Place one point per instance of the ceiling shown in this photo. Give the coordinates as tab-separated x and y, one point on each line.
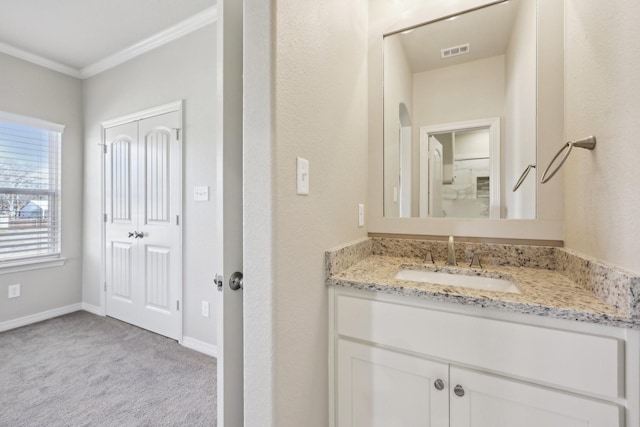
488	30
84	37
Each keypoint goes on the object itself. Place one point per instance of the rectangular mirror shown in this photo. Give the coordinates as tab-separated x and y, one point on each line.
460	125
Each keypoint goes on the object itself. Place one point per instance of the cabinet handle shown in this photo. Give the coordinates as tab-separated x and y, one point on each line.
438	384
458	390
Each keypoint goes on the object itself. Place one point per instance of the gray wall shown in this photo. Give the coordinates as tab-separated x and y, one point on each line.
31	90
184	69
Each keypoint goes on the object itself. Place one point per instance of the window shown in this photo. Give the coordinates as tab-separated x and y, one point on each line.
29	189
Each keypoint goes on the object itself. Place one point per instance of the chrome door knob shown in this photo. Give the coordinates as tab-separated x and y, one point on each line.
458	390
235	281
438	384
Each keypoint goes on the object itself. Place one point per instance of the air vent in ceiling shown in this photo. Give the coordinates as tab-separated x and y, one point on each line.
455	51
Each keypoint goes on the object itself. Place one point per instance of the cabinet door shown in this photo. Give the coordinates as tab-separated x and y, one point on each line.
491	401
382	388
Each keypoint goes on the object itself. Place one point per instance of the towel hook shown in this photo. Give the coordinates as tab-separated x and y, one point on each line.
589	143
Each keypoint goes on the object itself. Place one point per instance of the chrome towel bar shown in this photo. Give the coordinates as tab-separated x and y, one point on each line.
589	143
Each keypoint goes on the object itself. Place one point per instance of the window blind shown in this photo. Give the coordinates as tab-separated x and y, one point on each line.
29	188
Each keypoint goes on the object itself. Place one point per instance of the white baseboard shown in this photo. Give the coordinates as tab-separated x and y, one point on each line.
39	317
201	346
93	309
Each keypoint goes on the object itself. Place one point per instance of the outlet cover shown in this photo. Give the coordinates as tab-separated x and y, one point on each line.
14	291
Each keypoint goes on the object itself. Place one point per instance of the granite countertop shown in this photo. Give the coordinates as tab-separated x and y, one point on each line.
544	292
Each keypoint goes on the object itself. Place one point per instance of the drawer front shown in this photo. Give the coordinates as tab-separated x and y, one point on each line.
580	362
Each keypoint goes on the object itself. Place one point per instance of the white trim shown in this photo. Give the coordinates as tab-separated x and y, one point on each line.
193	23
141	115
181	29
534	229
31	121
39	60
39	317
201	346
93	309
32	264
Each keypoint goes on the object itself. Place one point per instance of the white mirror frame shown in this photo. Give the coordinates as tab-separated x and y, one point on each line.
387	17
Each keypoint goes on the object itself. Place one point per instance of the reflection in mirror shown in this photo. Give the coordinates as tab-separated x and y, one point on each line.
460	115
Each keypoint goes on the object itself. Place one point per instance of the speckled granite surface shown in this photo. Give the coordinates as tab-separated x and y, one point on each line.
612	285
545	291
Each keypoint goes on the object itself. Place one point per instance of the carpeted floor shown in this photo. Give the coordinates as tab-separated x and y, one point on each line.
85	370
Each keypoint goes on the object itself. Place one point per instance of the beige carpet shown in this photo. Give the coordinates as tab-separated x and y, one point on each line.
85	370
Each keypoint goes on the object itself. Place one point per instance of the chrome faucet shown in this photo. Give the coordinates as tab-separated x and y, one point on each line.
451	253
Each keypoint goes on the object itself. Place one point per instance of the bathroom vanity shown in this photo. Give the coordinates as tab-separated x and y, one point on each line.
409	353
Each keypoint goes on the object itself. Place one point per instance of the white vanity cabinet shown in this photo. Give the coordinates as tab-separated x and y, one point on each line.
398	361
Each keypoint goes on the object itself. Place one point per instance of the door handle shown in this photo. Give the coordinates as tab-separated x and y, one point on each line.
139	235
235	281
131	234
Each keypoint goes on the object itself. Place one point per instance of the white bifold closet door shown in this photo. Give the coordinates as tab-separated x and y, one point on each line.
143	203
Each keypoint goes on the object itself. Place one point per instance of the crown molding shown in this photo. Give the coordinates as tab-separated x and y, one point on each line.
195	22
181	29
39	60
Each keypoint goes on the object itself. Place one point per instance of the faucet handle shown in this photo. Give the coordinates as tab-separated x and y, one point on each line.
429	257
475	261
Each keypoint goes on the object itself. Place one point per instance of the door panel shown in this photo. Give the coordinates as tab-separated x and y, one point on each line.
492	401
435	177
378	387
143	191
121	269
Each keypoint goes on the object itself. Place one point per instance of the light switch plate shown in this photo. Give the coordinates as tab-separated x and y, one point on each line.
302	176
201	193
205	308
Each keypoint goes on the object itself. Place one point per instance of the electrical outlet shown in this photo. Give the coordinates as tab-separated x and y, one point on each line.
14	291
205	308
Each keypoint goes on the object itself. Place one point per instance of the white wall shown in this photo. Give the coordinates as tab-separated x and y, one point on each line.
319	100
519	141
602	97
398	88
31	90
184	69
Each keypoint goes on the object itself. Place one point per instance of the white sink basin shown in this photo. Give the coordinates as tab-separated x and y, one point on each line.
453	279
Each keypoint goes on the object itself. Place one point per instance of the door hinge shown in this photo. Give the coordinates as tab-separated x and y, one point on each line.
178	305
105	217
104	148
177	219
105	286
177	133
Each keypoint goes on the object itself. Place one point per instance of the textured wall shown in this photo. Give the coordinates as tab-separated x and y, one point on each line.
602	97
33	91
184	69
321	115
